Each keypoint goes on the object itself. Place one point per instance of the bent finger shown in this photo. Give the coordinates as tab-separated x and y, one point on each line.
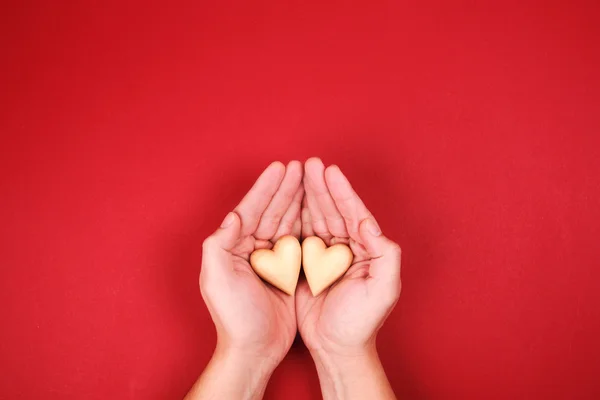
256	201
280	202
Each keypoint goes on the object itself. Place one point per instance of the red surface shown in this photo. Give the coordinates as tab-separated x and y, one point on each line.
470	130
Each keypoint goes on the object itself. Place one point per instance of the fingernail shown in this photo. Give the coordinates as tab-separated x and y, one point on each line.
227	221
373	228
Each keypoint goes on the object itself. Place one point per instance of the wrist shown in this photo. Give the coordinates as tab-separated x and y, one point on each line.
352	374
233	374
245	359
345	361
343	353
337	369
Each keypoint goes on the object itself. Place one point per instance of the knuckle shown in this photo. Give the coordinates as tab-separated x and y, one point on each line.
321	229
352	223
286	226
276	215
290	192
268	226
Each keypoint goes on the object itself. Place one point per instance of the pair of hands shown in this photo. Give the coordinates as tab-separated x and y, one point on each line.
256	323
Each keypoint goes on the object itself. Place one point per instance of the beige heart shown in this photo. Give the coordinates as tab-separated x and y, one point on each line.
324	265
280	266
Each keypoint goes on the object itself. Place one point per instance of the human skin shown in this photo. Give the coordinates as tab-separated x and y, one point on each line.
255	322
340	325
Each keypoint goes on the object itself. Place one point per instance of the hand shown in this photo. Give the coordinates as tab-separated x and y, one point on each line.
255	322
340	325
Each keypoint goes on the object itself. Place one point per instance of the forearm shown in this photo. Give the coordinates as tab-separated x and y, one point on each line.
233	376
360	376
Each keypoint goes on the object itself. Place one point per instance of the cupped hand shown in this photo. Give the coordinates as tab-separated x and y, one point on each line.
344	319
252	317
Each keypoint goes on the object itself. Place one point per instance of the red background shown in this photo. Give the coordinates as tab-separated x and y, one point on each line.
470	130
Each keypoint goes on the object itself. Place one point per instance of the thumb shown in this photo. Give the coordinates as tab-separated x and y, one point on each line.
224	238
384	253
216	259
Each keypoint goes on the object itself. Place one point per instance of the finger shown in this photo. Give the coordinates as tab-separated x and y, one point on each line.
256	201
297	228
216	248
315	177
307	229
281	201
385	255
351	207
226	237
291	216
303	297
319	224
262	244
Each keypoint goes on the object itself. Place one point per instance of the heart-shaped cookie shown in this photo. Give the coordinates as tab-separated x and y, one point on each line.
324	265
280	266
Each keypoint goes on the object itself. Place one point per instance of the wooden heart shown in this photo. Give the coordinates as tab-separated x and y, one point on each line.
280	266
324	265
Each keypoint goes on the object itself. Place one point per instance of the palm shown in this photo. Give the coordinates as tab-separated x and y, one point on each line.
341	314
347	313
266	314
249	313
